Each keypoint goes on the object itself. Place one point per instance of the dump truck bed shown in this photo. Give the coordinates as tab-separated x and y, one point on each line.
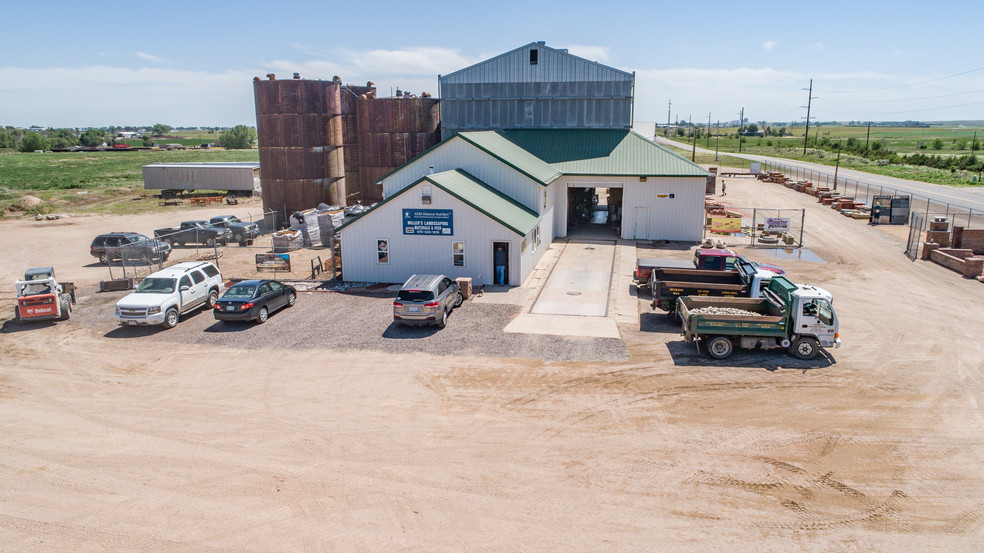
771	321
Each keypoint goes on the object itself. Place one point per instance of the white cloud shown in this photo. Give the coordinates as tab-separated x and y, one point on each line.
769	45
305	49
593	53
151	57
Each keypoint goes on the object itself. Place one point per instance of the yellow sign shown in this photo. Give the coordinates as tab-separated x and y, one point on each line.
725	224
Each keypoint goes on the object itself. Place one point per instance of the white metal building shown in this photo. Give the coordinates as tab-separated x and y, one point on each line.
447	210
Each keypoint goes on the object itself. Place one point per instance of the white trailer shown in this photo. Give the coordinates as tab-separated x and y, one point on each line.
236	178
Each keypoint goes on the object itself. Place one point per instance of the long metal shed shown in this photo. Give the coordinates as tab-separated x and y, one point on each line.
230	176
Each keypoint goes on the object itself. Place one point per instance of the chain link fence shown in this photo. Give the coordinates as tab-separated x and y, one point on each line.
754	226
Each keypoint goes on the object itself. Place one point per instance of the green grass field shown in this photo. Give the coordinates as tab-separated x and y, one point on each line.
902	140
93	181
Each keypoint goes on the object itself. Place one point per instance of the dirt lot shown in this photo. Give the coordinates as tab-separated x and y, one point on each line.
148	443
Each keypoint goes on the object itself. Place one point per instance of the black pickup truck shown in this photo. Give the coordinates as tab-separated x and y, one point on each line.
194	232
241	230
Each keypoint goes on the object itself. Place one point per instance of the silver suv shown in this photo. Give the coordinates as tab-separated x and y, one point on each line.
164	296
426	299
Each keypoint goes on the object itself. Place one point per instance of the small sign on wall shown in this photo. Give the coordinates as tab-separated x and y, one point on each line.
428	222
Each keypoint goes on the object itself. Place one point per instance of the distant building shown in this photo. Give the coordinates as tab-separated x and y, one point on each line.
536	87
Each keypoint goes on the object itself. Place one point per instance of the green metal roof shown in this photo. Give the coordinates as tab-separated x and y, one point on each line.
615	152
513	155
472	191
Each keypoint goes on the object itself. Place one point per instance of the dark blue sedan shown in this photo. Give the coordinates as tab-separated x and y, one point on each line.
254	300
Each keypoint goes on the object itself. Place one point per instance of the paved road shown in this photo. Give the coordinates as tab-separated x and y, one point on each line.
965	197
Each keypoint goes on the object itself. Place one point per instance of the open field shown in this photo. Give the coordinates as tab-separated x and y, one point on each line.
93	182
323	430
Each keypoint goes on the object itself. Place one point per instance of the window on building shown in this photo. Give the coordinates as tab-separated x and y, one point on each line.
425	195
535	238
458	253
533	56
382	250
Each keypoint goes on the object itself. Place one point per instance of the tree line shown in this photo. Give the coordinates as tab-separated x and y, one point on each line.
878	152
24	140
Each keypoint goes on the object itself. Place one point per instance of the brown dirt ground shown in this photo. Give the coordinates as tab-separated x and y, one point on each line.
878	447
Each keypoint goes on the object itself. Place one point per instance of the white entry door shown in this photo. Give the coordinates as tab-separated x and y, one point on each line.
641	223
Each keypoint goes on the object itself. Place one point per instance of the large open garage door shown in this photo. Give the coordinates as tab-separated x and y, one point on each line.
594	211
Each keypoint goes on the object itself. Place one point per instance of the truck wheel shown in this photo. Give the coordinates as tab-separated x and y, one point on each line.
720	347
213	296
171	318
17	318
805	348
210	243
104	258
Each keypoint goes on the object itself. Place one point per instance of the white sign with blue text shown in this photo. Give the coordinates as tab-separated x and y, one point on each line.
428	222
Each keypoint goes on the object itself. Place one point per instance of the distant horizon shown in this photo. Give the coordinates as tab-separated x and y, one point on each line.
957	122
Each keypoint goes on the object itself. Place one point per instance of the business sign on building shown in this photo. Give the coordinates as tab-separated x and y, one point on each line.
428	222
780	224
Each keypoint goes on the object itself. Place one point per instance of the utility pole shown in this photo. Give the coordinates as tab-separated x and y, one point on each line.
717	139
693	155
708	146
837	168
741	123
668	107
867	137
809	102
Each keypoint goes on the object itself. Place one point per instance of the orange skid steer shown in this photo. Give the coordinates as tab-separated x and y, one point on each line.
41	297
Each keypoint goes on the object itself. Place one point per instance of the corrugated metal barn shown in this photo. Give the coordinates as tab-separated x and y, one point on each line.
535	86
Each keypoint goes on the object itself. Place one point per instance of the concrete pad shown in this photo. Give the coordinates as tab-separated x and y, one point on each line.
562	325
624	294
580	282
507	295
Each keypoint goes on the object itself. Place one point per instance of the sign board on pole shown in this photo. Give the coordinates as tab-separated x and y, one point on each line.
273	262
725	224
428	222
780	224
755	167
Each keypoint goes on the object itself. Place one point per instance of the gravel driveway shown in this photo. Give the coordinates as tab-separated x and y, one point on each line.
352	322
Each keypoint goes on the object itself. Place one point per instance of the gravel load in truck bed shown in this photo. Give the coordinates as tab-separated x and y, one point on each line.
724	311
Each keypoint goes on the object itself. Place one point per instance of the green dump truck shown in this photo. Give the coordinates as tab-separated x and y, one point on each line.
799	318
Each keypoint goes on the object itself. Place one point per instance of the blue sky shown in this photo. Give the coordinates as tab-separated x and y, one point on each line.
76	64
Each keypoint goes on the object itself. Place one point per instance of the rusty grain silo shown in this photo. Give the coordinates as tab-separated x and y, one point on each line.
299	130
393	131
325	142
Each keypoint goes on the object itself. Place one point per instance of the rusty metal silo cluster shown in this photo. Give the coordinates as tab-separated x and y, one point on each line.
325	142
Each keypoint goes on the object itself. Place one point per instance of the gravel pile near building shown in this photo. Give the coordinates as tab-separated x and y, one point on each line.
340	321
725	311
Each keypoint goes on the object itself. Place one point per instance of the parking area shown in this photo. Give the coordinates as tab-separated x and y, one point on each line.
328	428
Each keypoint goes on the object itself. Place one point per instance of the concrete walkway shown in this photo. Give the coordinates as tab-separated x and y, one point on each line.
573	292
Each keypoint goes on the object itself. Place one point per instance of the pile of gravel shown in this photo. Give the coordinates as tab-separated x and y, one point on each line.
725	311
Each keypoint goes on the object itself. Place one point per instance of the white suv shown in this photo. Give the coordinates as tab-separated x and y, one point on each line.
167	294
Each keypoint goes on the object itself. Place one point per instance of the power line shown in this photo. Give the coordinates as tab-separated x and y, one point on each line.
915	99
908	84
909	111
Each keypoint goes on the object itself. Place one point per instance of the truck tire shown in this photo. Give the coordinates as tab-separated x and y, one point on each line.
104	258
213	296
805	348
170	318
720	347
210	242
17	318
